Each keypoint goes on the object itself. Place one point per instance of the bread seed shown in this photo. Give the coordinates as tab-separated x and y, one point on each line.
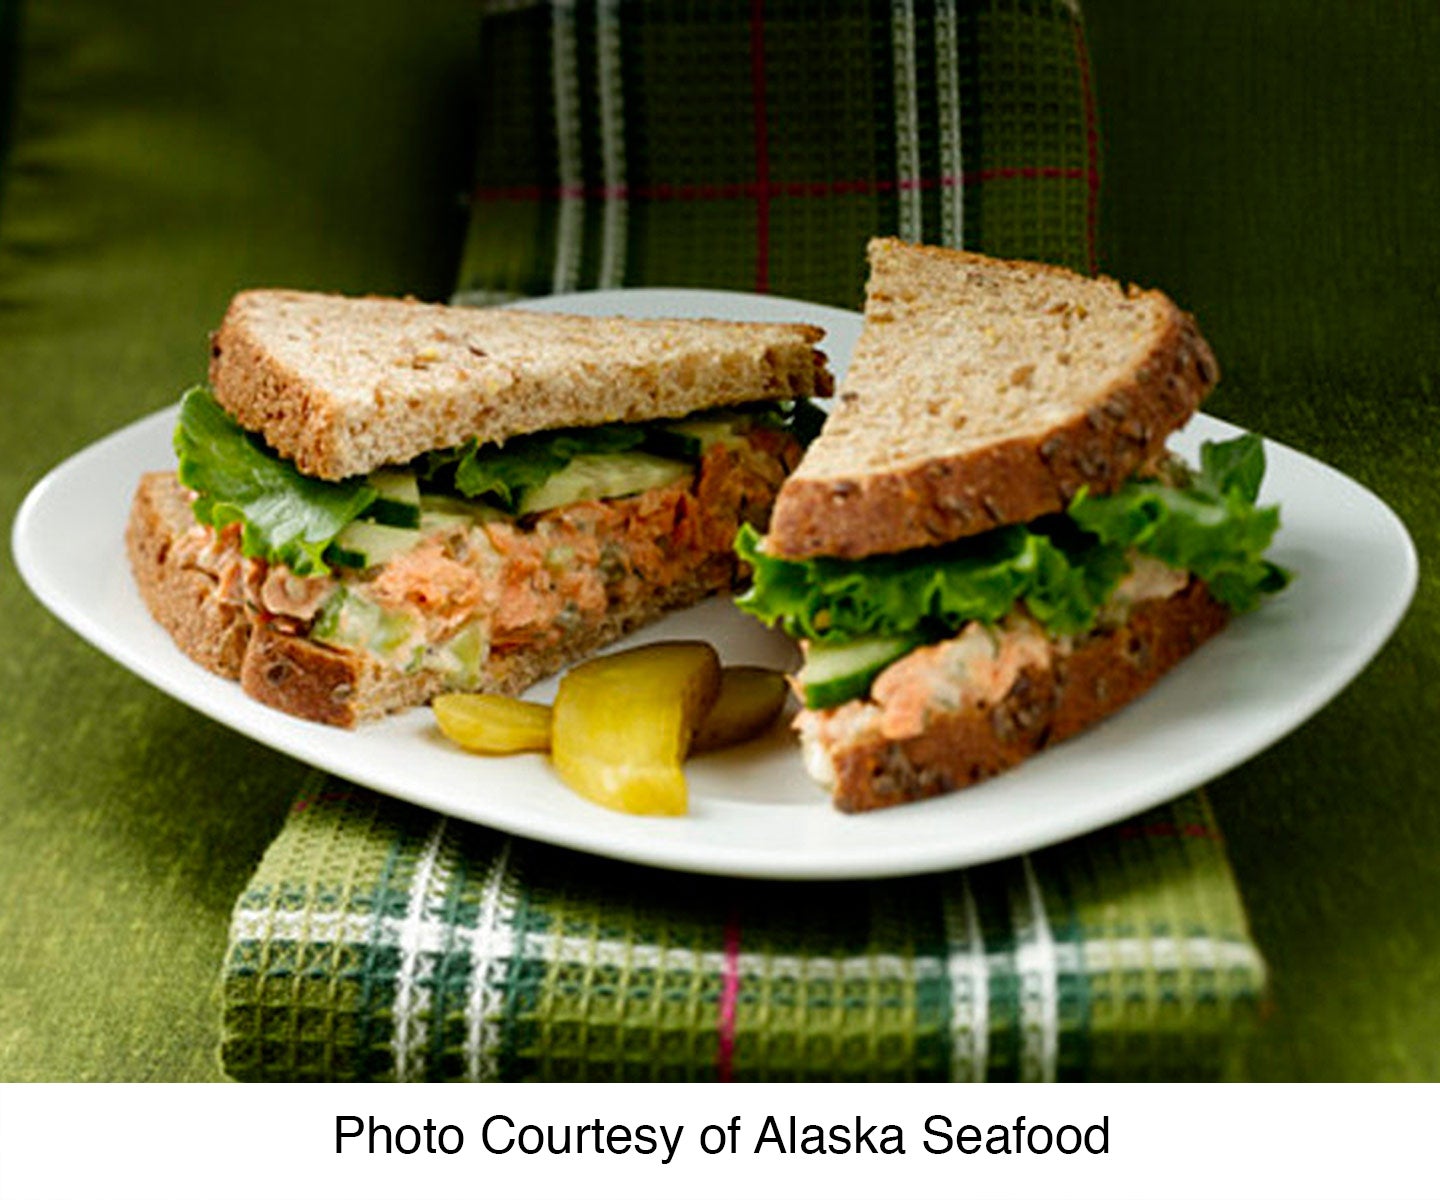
1091	465
955	506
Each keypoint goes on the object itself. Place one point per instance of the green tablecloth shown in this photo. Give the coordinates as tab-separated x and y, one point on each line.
161	162
1273	166
1277	164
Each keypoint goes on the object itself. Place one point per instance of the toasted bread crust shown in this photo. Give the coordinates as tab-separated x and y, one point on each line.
1099	676
343	385
184	600
305	678
939	499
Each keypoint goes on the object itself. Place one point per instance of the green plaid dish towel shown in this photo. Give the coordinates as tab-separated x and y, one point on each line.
378	941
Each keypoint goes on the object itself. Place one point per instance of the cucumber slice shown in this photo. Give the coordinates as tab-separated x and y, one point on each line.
691	438
398	501
363	544
836	673
338	556
603	476
430	522
435	505
671	443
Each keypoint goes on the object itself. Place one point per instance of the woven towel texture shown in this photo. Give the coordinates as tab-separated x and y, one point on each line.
378	941
757	147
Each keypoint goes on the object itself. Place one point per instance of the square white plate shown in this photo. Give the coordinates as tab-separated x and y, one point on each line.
754	812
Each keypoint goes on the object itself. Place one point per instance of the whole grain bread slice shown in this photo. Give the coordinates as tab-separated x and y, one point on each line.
984	392
343	385
302	677
1047	703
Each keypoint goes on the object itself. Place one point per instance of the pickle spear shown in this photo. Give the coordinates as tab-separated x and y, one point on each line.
749	701
493	724
622	725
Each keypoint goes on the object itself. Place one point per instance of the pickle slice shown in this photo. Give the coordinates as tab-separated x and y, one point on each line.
493	724
749	701
623	724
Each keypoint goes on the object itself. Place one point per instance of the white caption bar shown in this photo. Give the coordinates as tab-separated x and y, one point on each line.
159	1141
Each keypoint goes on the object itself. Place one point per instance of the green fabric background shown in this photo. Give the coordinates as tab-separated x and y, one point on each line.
1273	165
1277	166
161	162
8	26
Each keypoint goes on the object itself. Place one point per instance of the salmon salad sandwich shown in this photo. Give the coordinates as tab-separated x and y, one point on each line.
378	500
989	548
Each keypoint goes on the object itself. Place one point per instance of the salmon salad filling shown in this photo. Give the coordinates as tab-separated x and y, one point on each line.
473	583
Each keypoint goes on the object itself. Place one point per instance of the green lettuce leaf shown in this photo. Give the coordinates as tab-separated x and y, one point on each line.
285	517
501	475
1063	567
1063	579
1211	527
1234	466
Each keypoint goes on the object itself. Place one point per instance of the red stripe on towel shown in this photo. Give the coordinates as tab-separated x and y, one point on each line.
762	148
729	995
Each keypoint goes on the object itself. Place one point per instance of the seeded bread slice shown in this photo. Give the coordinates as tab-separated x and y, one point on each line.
343	385
984	392
1045	704
302	677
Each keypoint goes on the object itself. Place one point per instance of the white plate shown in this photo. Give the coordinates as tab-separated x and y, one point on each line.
753	810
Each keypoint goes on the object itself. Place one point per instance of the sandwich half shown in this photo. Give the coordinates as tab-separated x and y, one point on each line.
988	548
379	500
